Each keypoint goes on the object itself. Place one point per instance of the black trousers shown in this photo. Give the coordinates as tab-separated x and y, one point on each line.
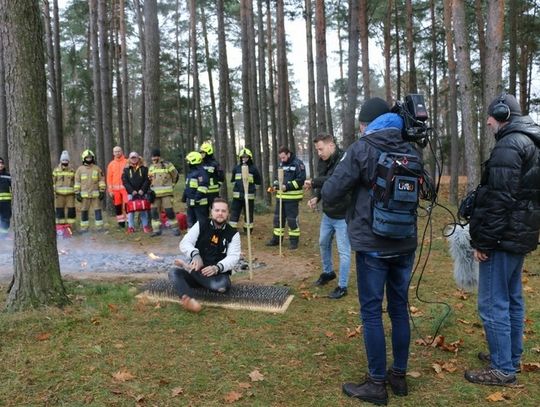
237	206
196	214
184	281
290	216
5	216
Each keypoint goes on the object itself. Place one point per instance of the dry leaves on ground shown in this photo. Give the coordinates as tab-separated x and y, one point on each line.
232	396
256	376
123	376
530	367
177	391
43	336
497	396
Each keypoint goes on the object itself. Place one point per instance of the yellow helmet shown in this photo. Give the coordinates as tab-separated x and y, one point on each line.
194	158
245	151
87	153
207	148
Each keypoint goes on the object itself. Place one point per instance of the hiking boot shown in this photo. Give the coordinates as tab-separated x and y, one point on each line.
176	232
324	278
398	382
190	304
158	233
486	357
293	244
370	390
274	241
490	377
130	230
338	293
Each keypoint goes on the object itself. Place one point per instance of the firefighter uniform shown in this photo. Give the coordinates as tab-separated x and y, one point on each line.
5	200
89	190
163	176
294	175
238	202
115	187
64	191
216	175
196	190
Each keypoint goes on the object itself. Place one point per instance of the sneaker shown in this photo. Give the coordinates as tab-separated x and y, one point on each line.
486	357
338	293
490	377
130	230
324	278
147	229
274	241
370	390
158	233
398	382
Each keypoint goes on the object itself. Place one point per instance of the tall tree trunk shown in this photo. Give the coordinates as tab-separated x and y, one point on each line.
142	48
271	90
364	43
435	170
210	82
117	57
3	108
106	94
58	73
195	73
263	102
54	142
312	105
223	85
96	79
282	84
514	12
340	28
125	75
412	83
36	279
466	91
452	108
151	75
493	68
387	51
398	55
320	61
349	134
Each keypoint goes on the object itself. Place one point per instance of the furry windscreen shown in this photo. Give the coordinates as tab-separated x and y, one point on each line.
465	267
240	296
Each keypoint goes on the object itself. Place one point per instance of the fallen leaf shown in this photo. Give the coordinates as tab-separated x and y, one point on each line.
95	321
463	321
449	367
119	345
123	376
537	350
437	368
528	289
461	295
117	391
354	332
459	305
497	396
469	331
351	312
318	354
416	375
43	336
530	367
244	385
113	307
158	305
139	398
232	396
329	334
177	391
306	295
256	376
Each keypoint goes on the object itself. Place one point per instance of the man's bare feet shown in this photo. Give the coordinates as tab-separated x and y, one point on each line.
190	304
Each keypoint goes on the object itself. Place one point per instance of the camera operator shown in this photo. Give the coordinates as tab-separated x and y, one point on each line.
380	261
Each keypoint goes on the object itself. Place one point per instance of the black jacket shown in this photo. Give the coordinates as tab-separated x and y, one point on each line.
506	215
325	169
5	185
254	178
135	179
355	174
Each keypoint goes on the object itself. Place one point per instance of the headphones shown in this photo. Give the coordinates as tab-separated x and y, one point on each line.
501	111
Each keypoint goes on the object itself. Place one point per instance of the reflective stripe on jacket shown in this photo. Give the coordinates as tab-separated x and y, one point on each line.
294	175
89	181
5	186
64	180
162	176
115	169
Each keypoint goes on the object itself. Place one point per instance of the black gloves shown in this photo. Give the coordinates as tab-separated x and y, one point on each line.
78	197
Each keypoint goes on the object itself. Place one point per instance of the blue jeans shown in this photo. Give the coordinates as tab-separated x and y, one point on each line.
502	308
131	217
373	274
331	227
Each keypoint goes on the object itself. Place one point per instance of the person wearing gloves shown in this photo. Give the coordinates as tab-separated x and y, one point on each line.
211	249
196	189
64	191
89	190
136	181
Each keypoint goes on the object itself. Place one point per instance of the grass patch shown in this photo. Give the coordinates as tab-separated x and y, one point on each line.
106	348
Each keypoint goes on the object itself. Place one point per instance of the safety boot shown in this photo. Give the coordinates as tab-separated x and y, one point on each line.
371	390
274	241
293	243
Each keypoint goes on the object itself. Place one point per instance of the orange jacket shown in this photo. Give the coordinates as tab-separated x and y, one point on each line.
115	170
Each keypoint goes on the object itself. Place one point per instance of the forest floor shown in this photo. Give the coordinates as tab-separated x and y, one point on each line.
109	348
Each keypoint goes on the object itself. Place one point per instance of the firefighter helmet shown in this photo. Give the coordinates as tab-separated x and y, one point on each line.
207	148
194	158
245	151
87	153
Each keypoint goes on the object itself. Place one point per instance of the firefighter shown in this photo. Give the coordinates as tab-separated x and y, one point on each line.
195	192
115	187
64	191
163	176
89	190
5	199
289	196
216	175
238	203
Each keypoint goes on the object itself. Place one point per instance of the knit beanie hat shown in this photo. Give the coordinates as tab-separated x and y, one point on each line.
373	108
64	156
156	152
508	100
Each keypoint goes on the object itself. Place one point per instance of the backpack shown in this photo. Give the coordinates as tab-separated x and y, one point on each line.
395	193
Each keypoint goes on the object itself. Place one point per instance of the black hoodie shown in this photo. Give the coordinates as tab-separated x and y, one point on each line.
507	208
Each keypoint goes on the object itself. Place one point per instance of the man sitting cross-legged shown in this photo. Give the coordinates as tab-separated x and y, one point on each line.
213	249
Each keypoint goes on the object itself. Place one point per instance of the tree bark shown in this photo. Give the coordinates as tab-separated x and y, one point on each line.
271	90
207	56
125	79
282	84
195	73
263	103
466	92
58	73
514	12
312	105
151	75
96	79
3	109
387	48
36	279
412	83
320	58
349	134
364	43
105	76
142	48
